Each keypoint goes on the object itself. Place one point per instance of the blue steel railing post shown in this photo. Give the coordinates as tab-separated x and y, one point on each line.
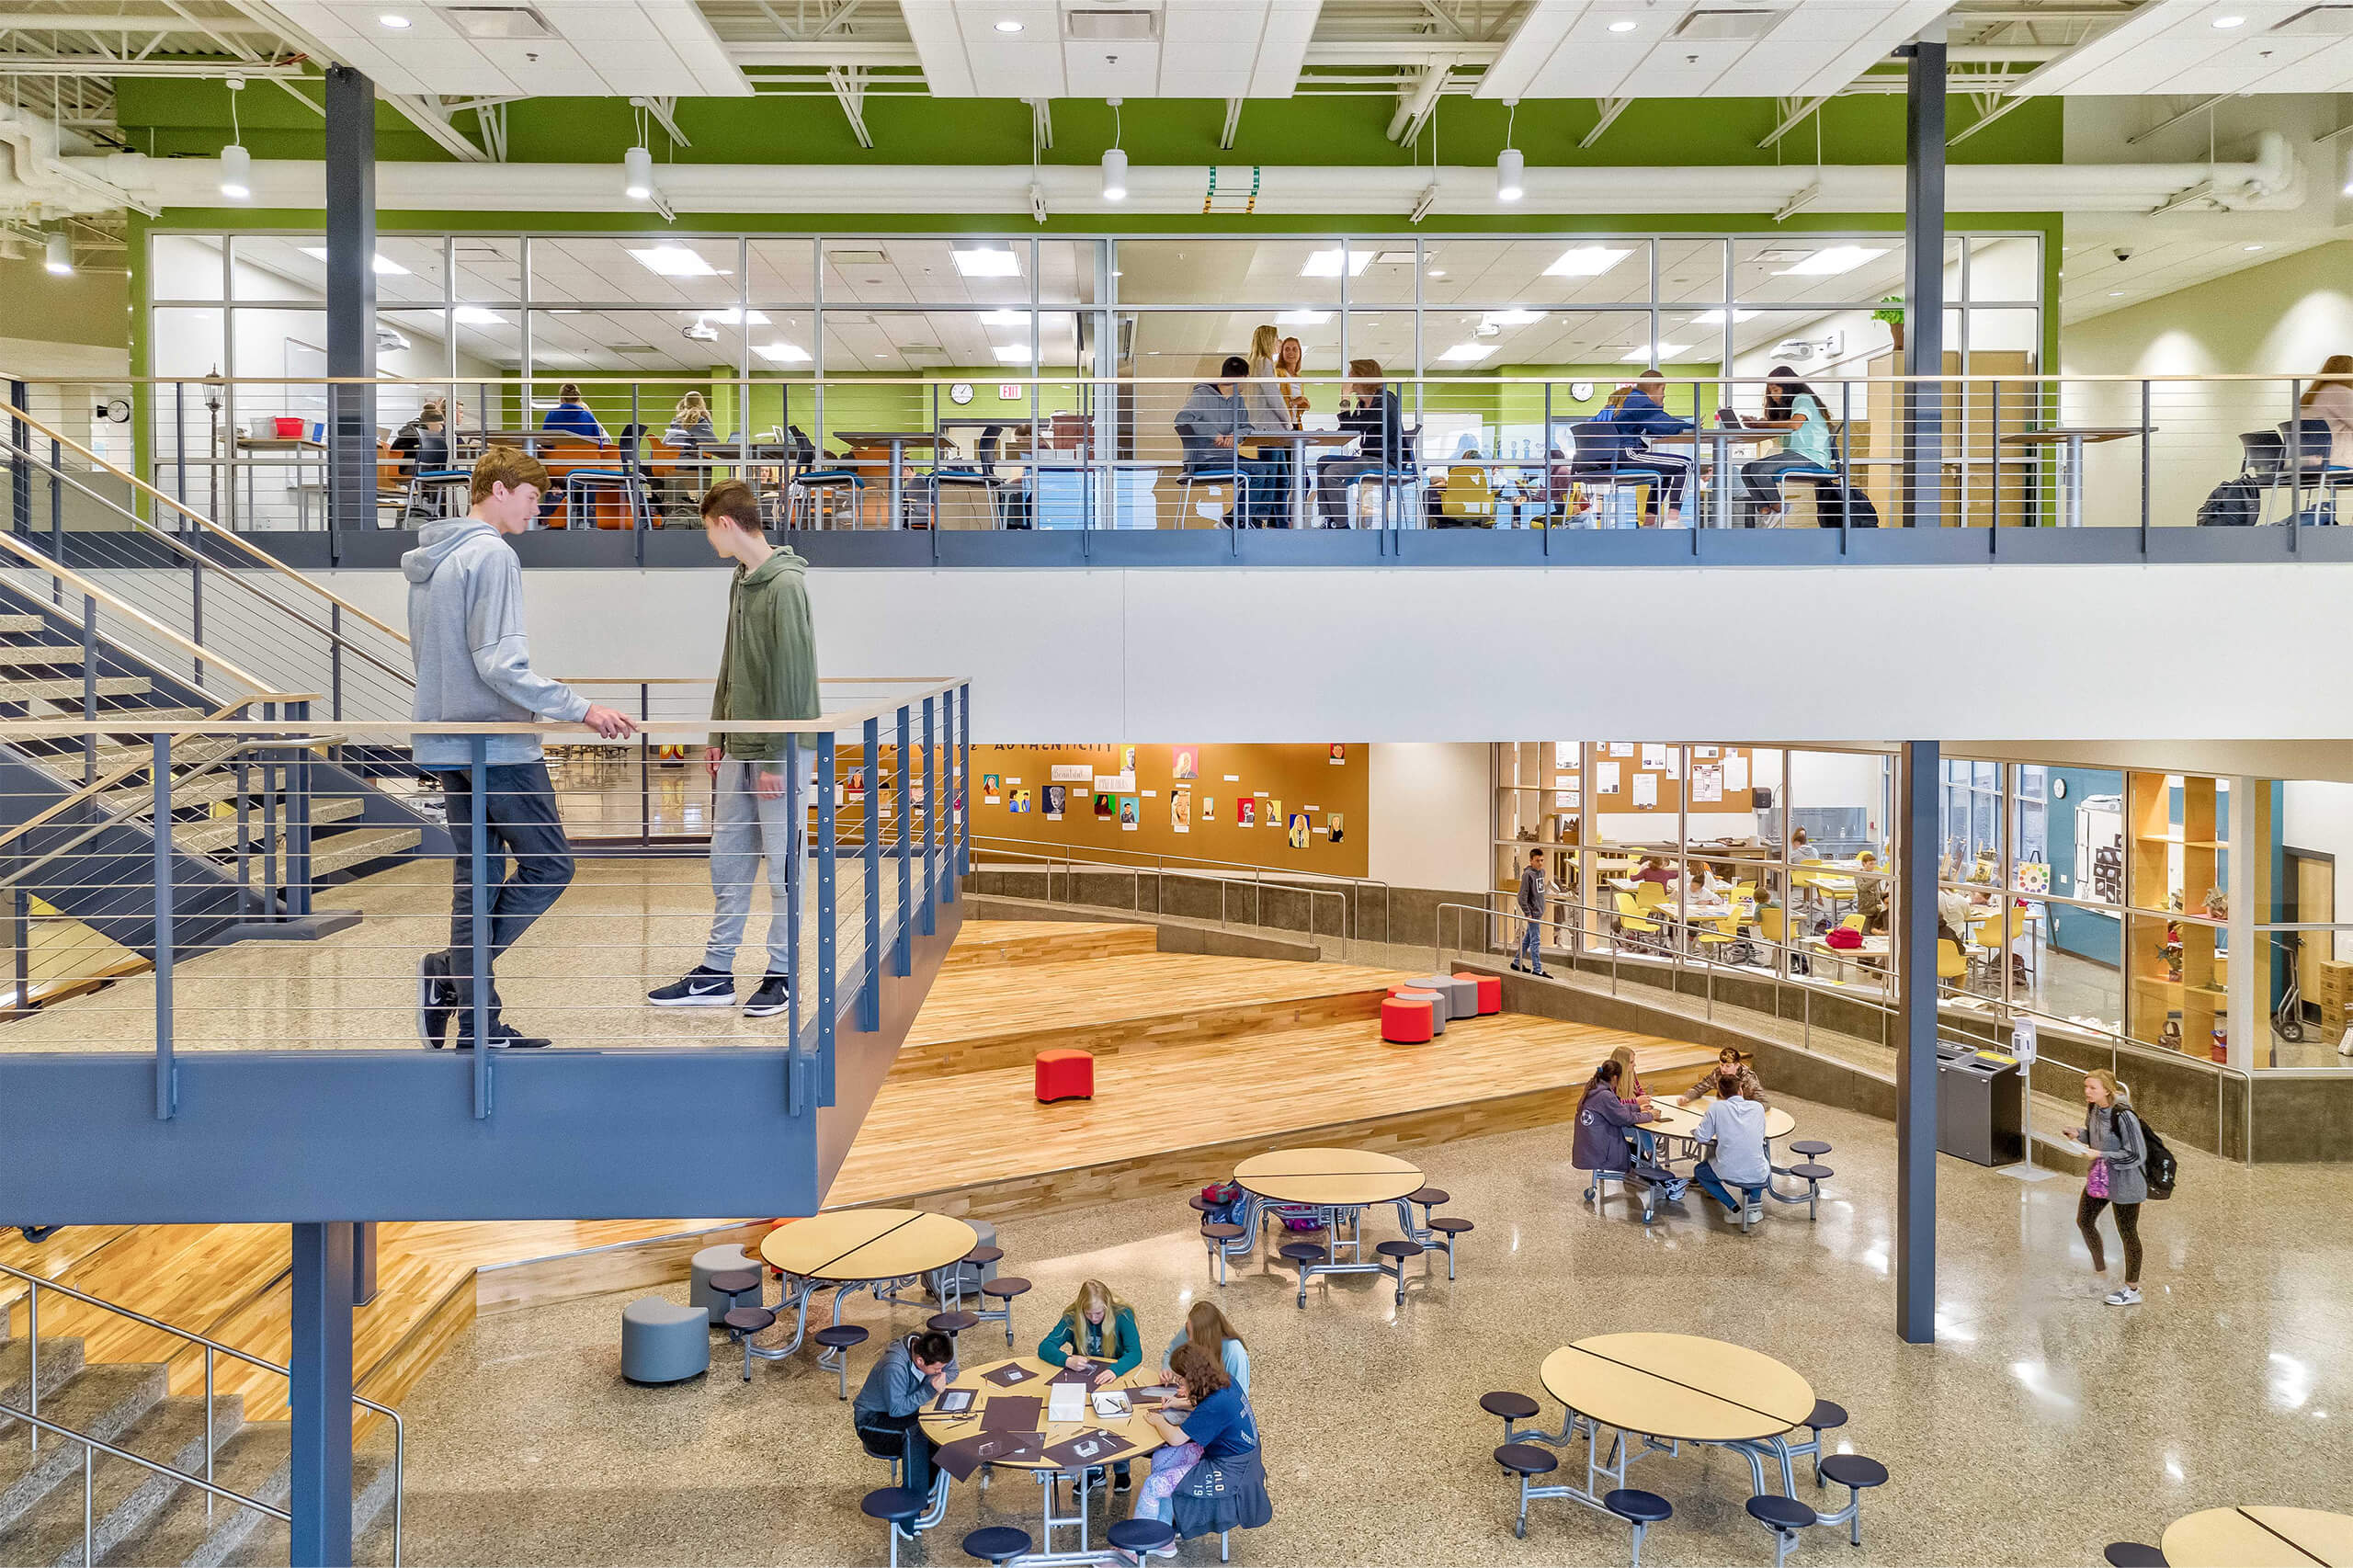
828	946
796	856
950	770
478	881
930	803
159	768
56	502
964	780
869	989
902	956
89	687
298	818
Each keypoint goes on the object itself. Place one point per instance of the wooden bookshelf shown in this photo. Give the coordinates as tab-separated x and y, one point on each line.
2173	865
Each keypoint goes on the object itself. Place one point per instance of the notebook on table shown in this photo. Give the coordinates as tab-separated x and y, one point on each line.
1012	1372
1092	1446
1011	1413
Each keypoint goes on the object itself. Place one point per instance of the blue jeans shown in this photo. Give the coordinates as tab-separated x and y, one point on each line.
520	820
1705	1174
1531	944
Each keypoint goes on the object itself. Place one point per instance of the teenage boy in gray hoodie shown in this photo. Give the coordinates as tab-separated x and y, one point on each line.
474	665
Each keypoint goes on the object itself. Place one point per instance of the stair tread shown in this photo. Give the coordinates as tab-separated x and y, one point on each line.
219	836
107	686
24	622
40	654
212	787
256	1461
372	1514
124	1497
346	849
105	1401
60	1358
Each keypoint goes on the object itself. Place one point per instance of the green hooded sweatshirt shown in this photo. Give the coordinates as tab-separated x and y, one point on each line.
768	668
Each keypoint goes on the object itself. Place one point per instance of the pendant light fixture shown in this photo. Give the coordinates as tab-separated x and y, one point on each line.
637	174
236	163
1115	160
1511	168
59	256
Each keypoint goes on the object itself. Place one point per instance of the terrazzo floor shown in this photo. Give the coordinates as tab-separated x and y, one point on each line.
2041	1425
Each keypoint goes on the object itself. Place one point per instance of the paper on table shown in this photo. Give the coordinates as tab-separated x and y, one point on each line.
954	1402
1005	1377
1069	1374
1011	1412
1092	1446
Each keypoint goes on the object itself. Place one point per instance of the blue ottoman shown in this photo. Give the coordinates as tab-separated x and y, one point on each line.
662	1342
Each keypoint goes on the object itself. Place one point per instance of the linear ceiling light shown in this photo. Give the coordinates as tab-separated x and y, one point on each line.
1012	352
385	267
1327	263
783	353
1467	353
1642	355
1832	261
674	261
994	261
1587	261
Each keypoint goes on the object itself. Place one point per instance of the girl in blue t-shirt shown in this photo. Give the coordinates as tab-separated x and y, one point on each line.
1212	1422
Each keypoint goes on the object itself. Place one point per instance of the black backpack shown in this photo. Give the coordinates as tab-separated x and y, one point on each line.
2235	503
2157	1164
1836	503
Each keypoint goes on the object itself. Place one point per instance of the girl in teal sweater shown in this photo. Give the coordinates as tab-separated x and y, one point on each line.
1097	1330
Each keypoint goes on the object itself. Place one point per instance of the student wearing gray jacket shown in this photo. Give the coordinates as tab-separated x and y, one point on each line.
2112	1136
474	665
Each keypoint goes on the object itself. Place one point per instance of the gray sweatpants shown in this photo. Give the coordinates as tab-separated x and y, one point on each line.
743	827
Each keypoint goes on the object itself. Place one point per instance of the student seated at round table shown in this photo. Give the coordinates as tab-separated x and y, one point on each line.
1603	1117
1206	1326
1208	1477
1097	1330
1719	1080
904	1378
1735	1126
1636	1094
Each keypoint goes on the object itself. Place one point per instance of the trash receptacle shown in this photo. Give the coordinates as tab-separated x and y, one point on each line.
1981	1104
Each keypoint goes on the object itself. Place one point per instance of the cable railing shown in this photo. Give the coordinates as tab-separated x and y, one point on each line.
37	1424
1997	450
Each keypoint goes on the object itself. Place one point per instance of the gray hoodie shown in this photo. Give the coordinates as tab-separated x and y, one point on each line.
465	630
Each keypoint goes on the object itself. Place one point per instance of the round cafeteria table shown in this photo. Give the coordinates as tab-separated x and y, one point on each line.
1140	1435
1680	1121
1341	1183
854	1249
2255	1535
1671	1388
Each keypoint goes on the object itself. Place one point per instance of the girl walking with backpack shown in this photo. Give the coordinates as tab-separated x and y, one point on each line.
2111	1136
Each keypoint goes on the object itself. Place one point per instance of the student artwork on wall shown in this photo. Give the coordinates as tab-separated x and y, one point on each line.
989	782
2033	876
1057	800
1332	827
1021	803
1129	810
1185	762
1069	772
1180	809
1106	807
1339	758
1128	761
1245	812
857	784
1273	813
1298	830
1208	810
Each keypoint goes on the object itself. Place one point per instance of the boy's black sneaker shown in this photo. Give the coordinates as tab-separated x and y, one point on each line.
702	987
774	997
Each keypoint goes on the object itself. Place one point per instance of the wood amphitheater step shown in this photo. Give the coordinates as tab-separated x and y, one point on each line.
125	1498
106	1403
991	1017
107	686
984	943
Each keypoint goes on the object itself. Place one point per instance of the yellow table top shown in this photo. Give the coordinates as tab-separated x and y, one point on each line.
1681	1119
2260	1537
868	1244
1345	1178
1677	1385
945	1429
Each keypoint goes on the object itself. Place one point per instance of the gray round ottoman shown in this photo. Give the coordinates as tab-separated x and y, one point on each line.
710	1261
662	1342
1462	995
1441	1005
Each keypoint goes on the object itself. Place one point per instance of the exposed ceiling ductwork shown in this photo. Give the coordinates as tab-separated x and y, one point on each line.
52	173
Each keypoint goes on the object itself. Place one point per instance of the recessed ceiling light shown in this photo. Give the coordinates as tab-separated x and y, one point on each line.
389	20
1437	272
1640	354
1585	261
991	262
1624	27
1301	318
1013	354
2250	247
1004	318
1830	262
1510	318
1716	318
783	353
1008	26
2116	293
733	316
474	315
1326	263
385	267
1467	353
2230	21
674	261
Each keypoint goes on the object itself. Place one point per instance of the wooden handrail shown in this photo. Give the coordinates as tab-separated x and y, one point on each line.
260	690
208	525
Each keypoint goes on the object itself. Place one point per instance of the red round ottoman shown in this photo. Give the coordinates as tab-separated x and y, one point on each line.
1491	991
1404	1022
1065	1075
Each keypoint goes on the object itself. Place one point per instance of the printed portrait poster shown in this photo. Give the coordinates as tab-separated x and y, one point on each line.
1245	812
989	782
1209	808
1127	814
1180	809
1127	760
1332	829
1057	799
1105	806
857	784
1187	763
1339	757
1298	830
1020	801
1273	813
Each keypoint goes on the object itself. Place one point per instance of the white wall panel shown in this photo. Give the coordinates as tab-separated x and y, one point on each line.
1429	806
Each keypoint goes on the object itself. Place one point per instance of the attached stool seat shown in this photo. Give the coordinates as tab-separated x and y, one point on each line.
662	1342
1509	1407
1784	1517
1065	1075
1403	1022
1446	1227
1441	1005
707	1263
1813	1176
2133	1554
1812	1148
1640	1509
1139	1536
1525	1459
998	1543
731	1285
1488	988
952	1324
1858	1475
1396	1253
1002	1290
1825	1418
1221	1237
897	1506
741	1323
834	1344
1306	1255
964	1276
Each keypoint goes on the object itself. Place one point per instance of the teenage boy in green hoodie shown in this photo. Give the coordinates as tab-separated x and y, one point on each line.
766	670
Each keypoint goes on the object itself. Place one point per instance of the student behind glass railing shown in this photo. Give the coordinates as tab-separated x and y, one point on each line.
1370	407
2330	397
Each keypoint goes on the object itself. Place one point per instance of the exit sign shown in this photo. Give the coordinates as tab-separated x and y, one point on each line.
1008	392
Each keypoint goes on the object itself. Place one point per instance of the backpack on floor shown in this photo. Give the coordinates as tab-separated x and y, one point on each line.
2157	1164
1836	503
2235	503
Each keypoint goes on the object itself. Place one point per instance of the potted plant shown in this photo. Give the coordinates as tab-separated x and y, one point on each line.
1891	311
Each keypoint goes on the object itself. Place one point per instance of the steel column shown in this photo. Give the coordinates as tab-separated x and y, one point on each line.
930	925
1924	285
828	944
320	1396
870	988
351	306
902	951
1915	957
159	768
